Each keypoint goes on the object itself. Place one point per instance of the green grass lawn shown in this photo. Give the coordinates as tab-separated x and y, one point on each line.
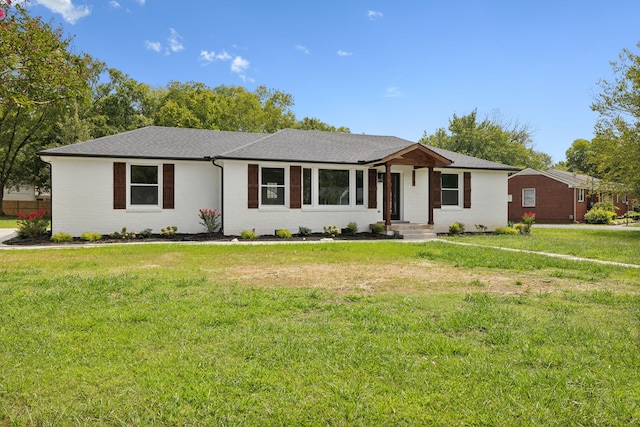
611	245
8	221
336	334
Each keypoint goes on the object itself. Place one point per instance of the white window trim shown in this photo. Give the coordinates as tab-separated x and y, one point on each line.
524	205
283	207
460	191
144	208
315	190
581	195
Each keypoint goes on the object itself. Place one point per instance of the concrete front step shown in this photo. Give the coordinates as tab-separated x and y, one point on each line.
413	231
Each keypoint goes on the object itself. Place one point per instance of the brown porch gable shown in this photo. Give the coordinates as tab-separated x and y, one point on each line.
418	156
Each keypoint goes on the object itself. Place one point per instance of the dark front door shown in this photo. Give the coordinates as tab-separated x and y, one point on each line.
395	197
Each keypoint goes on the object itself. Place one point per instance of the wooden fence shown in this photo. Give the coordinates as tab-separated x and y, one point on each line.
12	207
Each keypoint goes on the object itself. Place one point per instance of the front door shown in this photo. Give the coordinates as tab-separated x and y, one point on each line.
395	197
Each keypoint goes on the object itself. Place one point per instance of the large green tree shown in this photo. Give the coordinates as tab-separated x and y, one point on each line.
491	139
580	158
41	82
616	145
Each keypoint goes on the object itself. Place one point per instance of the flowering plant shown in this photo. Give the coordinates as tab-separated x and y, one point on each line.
2	12
33	224
528	219
210	219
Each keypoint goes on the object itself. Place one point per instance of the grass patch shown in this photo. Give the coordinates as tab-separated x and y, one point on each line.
619	246
8	221
326	334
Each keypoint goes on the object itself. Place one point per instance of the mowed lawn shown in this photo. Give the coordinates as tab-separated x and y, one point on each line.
336	334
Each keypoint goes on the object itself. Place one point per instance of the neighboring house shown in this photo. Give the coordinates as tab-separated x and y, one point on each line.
156	177
556	196
24	199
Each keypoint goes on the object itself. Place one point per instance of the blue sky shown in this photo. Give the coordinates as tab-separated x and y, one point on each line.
378	67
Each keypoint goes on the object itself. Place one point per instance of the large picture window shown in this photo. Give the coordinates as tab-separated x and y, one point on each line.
333	187
450	189
272	185
144	185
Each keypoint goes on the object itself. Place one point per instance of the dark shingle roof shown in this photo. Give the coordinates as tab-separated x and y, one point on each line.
156	142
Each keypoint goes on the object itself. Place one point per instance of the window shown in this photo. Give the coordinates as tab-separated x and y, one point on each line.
581	194
306	187
528	197
359	188
450	189
272	186
144	185
333	187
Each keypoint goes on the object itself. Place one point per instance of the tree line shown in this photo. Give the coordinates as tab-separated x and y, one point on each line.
52	96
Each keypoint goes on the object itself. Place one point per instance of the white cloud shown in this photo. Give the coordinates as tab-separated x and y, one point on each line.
374	14
66	8
141	2
174	41
393	92
343	53
303	49
114	4
211	56
239	65
154	46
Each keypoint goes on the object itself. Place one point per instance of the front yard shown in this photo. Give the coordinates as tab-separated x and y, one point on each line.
356	333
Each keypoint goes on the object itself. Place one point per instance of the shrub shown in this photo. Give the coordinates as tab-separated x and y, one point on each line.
507	230
123	234
599	216
378	228
352	228
606	205
210	219
632	215
62	237
146	233
481	228
456	228
331	230
283	233
528	219
304	231
91	236
32	225
170	231
248	235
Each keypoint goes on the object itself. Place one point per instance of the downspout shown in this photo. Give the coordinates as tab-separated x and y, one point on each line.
213	162
575	205
51	190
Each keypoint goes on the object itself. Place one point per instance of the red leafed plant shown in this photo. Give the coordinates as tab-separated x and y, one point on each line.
210	219
528	219
33	224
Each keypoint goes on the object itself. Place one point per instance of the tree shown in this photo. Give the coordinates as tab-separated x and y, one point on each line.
493	139
41	81
616	145
311	123
580	158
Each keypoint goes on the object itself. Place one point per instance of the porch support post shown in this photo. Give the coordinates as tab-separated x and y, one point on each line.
387	196
431	195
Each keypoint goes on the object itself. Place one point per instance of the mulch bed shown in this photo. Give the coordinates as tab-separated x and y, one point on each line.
45	240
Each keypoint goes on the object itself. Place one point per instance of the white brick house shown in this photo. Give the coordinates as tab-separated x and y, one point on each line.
154	177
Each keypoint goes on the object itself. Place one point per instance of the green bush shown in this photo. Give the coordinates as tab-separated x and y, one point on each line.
378	228
304	231
123	234
62	237
248	235
283	233
91	236
33	224
352	228
606	205
331	230
456	228
146	233
633	215
170	231
599	216
507	230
